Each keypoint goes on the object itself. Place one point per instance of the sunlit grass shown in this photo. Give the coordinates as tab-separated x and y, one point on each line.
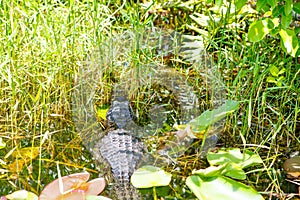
44	44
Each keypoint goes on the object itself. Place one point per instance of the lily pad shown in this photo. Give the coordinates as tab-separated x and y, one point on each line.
22	195
230	169
234	155
220	187
73	187
93	197
149	176
210	117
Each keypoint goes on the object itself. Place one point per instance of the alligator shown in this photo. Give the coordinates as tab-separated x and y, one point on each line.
119	145
120	148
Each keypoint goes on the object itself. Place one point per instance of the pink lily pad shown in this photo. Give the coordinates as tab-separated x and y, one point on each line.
72	187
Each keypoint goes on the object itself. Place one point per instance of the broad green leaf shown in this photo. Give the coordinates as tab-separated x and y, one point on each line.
149	176
270	23
275	21
274	70
235	171
275	31
288	7
22	195
289	41
286	20
272	3
231	170
262	5
296	7
93	197
271	79
279	11
258	30
210	171
233	156
239	4
209	117
220	188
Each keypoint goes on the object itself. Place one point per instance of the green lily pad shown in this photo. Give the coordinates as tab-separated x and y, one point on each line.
220	187
22	195
211	171
210	117
230	169
149	176
234	155
93	197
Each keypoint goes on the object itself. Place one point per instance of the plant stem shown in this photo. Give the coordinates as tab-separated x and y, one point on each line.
154	193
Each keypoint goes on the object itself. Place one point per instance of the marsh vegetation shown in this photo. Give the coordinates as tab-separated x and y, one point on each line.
44	44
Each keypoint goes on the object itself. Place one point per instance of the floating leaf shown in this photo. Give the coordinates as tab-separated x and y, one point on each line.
234	155
211	171
230	169
209	117
220	188
22	195
93	197
74	187
149	176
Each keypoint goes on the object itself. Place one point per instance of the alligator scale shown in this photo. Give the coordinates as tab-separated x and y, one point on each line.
120	148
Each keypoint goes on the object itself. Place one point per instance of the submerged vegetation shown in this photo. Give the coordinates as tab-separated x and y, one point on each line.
254	46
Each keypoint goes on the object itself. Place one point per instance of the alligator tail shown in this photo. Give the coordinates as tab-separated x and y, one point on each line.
125	191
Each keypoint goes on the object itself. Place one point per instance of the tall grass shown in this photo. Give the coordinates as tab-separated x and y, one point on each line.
42	44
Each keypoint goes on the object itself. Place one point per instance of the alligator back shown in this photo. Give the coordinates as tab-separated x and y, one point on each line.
122	151
120	148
